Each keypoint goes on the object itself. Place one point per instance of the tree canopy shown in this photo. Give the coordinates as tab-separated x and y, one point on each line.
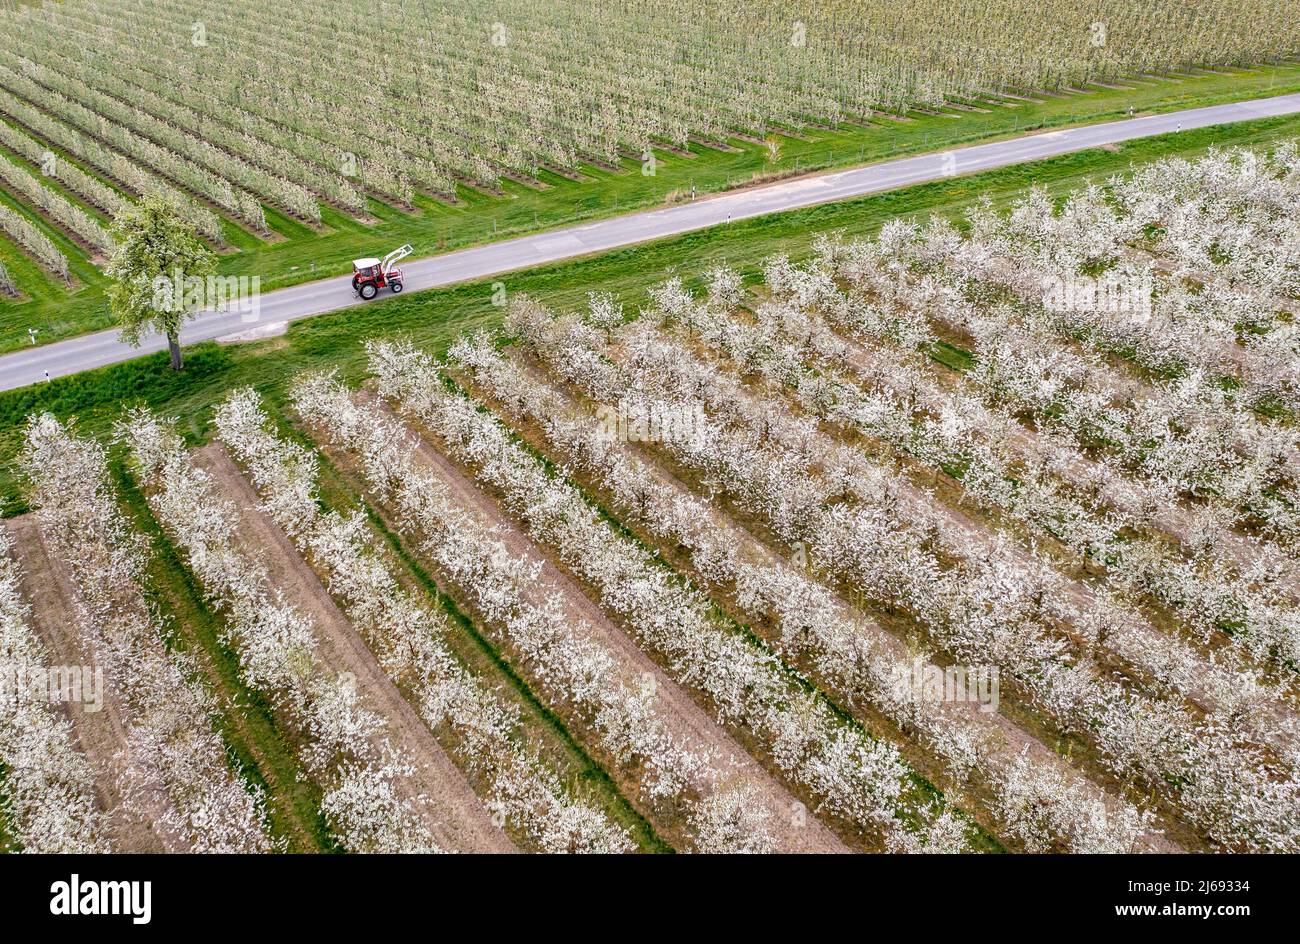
158	257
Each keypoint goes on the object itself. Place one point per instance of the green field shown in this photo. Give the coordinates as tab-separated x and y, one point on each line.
299	253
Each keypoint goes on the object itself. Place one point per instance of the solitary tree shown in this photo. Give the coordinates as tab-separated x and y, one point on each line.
154	269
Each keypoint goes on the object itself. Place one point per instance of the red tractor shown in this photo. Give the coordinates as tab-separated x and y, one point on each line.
370	275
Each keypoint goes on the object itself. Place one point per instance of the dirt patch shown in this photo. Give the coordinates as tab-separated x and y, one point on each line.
438	790
102	735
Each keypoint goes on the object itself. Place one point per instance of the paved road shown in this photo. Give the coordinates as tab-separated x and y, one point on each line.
21	368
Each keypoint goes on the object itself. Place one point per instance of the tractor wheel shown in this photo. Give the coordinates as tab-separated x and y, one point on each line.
355	281
395	286
368	290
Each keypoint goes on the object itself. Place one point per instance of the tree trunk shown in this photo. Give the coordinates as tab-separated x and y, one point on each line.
174	346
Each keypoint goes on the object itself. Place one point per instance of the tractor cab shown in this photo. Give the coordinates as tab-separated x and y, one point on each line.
370	275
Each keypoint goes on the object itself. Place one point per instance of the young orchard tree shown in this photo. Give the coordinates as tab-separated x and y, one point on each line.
157	255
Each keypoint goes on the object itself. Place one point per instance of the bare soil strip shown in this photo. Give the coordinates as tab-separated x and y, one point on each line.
48	587
792	828
438	791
